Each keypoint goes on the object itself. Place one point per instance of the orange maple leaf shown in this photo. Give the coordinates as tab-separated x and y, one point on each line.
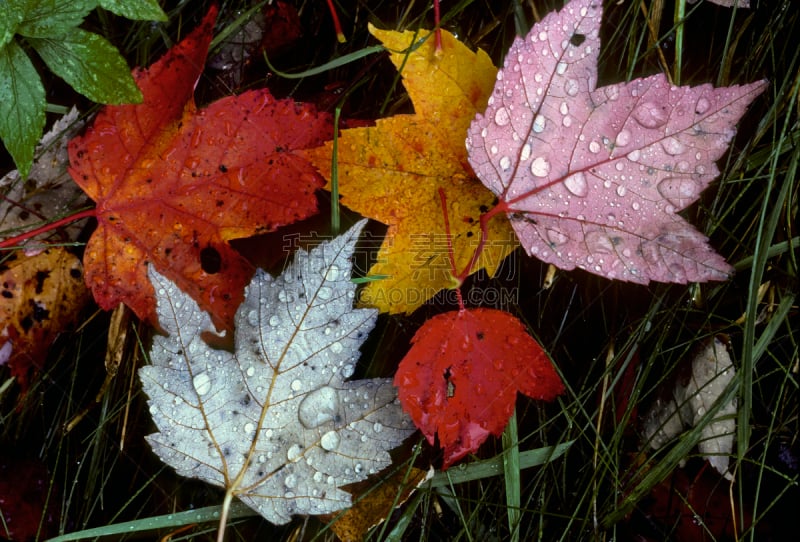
392	172
173	183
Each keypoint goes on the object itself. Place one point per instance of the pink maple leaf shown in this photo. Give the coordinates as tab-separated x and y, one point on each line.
593	177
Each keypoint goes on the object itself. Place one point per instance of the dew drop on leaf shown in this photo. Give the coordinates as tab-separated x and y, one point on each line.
294	452
329	441
650	115
623	138
679	191
318	407
501	117
332	274
577	184
702	106
539	124
672	146
540	167
201	383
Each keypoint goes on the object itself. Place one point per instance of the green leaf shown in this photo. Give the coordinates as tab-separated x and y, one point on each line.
145	10
91	65
53	18
22	105
10	17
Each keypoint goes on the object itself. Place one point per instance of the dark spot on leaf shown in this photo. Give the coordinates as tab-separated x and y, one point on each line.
479	335
577	39
220	203
223	168
483	208
26	323
39	312
75	273
210	260
148	181
470	234
24	215
41	277
7	294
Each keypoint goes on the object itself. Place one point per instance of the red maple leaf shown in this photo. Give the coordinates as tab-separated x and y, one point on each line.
461	376
173	183
592	177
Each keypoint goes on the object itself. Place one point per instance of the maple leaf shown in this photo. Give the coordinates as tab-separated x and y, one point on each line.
592	177
275	422
392	172
689	402
461	376
174	183
40	293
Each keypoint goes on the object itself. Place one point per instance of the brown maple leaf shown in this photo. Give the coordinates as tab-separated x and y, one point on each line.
173	183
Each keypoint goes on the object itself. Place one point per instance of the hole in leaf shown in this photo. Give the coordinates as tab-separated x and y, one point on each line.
576	39
210	260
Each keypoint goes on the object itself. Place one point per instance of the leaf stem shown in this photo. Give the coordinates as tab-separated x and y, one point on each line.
501	207
450	253
17	239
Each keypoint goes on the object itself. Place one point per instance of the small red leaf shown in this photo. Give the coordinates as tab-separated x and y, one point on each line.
460	378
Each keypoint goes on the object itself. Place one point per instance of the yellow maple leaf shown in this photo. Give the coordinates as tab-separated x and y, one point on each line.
392	172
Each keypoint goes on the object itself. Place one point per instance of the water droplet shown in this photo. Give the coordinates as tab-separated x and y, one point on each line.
501	117
324	293
333	273
251	371
505	163
635	206
556	237
577	184
329	441
621	191
539	124
650	115
680	191
540	167
337	348
672	146
252	318
702	106
296	385
561	68
623	138
525	153
563	108
594	147
201	383
634	155
275	320
249	428
377	427
318	407
294	452
542	36
290	480
318	477
571	87
598	242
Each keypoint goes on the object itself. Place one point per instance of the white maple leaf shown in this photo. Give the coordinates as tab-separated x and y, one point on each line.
712	373
276	423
